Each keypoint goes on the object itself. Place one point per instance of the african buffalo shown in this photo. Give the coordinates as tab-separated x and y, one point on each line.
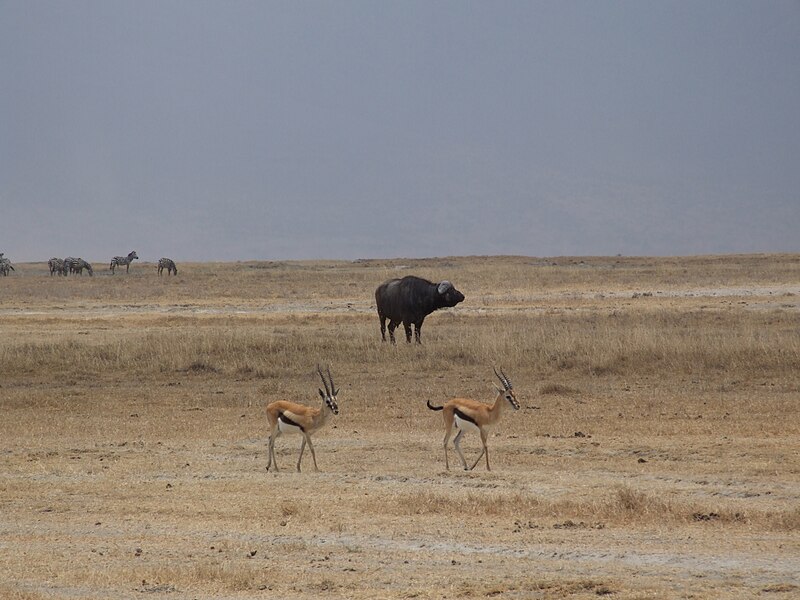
411	299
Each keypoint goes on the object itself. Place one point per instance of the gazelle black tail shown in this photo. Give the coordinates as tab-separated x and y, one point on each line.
434	407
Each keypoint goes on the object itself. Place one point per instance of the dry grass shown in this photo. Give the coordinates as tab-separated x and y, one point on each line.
620	506
660	415
571	346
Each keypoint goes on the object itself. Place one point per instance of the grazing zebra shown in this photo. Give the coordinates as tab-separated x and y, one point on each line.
168	264
58	266
5	265
76	266
79	265
118	261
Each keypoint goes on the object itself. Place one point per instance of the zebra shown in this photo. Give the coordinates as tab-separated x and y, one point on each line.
69	265
58	266
168	264
80	265
118	261
5	265
76	266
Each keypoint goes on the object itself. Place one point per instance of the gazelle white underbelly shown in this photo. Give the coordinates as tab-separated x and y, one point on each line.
285	427
464	425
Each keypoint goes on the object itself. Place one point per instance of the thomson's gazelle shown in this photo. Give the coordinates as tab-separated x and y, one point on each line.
289	417
470	415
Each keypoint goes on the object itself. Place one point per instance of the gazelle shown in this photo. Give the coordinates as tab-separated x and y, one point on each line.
470	415
290	417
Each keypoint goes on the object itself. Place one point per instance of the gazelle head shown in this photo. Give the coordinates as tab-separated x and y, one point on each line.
329	395
507	391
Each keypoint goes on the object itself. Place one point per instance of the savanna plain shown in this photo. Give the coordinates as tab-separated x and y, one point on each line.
656	453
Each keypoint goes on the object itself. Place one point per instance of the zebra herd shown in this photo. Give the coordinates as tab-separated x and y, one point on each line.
76	266
69	265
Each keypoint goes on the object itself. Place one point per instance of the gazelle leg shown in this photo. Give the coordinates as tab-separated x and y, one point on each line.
272	461
302	447
457	444
446	439
272	449
484	450
313	454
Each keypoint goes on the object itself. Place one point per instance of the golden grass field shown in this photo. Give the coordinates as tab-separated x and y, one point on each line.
656	453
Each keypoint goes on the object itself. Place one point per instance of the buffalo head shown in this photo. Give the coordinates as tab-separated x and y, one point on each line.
449	296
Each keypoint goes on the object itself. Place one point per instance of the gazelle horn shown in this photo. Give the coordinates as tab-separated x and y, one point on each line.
325	383
334	391
503	379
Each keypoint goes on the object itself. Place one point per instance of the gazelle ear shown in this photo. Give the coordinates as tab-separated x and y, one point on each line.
336	393
499	391
321	393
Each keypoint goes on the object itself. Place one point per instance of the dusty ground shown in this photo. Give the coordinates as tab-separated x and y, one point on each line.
132	439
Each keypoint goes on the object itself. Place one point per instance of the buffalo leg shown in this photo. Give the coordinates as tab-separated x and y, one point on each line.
407	327
417	327
383	327
392	326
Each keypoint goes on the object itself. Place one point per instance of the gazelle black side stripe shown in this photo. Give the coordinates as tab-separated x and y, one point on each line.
289	421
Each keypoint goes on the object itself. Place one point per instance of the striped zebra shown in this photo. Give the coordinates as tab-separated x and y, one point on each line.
5	265
76	266
168	264
57	266
80	265
119	261
69	265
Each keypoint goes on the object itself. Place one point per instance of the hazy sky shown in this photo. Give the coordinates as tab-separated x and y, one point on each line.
271	130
